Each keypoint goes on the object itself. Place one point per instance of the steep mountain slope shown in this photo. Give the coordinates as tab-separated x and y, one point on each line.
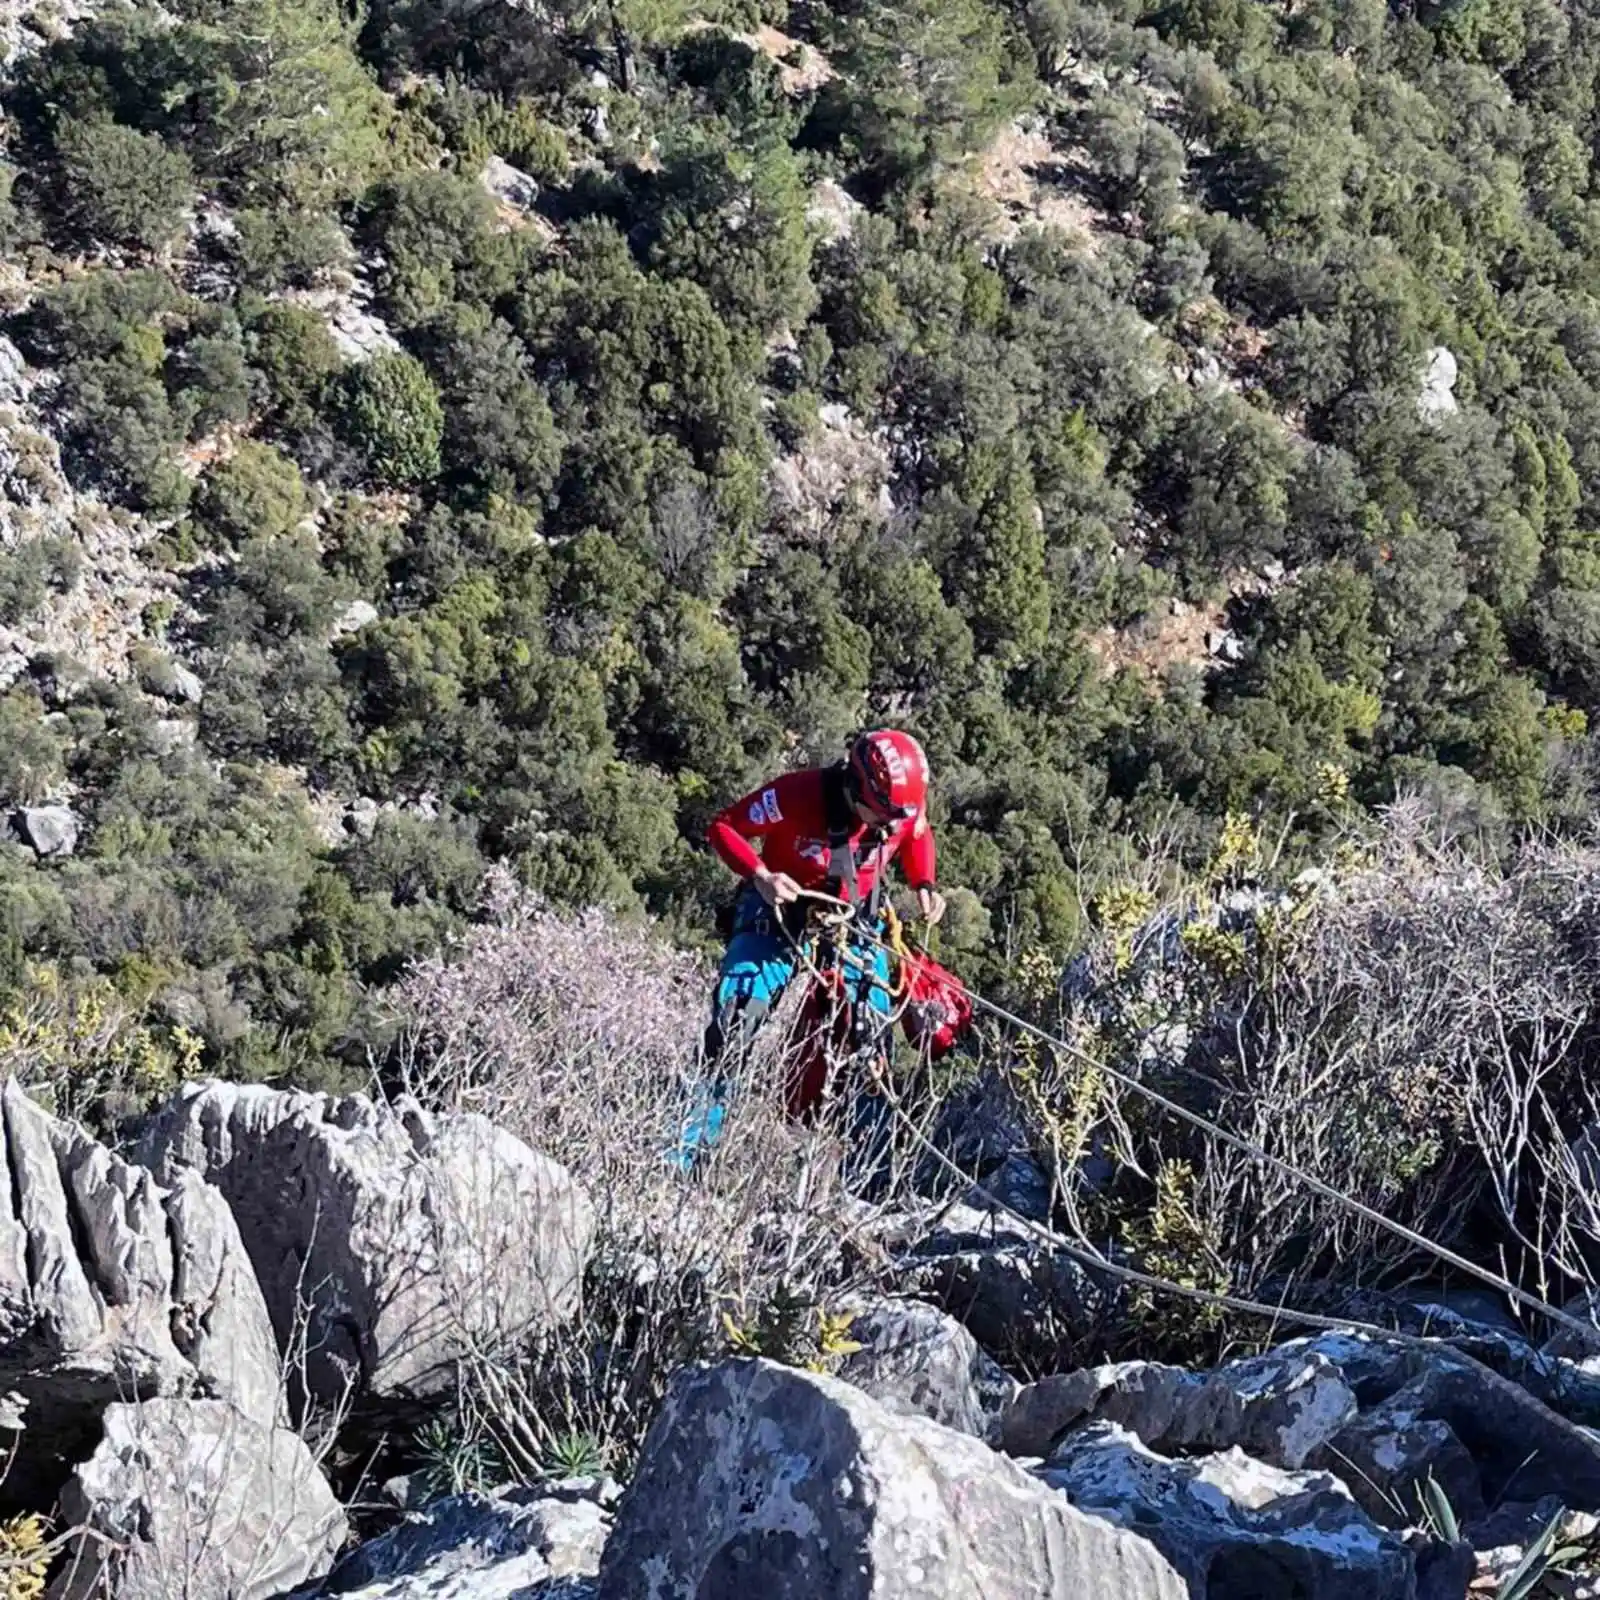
459	432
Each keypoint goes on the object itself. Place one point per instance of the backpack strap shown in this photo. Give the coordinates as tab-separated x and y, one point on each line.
842	823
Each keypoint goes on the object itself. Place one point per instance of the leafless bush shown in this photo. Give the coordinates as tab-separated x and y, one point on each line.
580	1033
1416	1028
197	1498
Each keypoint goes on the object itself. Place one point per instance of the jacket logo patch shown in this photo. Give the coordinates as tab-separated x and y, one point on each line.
813	850
757	814
769	806
894	760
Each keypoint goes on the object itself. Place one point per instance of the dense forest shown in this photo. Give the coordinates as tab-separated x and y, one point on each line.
521	427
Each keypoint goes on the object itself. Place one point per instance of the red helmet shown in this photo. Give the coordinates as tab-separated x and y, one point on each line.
890	772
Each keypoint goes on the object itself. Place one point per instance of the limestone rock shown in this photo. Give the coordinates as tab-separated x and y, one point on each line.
401	1235
1281	1407
49	831
916	1358
757	1479
503	1546
1231	1525
112	1287
355	616
833	211
13	373
192	1498
510	185
1021	1300
1433	1408
839	465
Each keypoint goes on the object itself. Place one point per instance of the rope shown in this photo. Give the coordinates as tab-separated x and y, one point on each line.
1094	1261
1237	1142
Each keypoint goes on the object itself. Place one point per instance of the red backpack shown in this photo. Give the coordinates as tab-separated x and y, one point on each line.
938	1009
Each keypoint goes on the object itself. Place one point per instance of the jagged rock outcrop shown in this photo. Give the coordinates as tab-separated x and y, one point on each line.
1433	1409
29	25
757	1479
345	306
96	619
1383	1415
517	1542
1233	1526
841	464
49	831
393	1240
915	1358
1021	1300
113	1287
191	1498
1281	1407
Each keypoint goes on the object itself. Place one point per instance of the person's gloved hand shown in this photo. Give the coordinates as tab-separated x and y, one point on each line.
932	904
776	888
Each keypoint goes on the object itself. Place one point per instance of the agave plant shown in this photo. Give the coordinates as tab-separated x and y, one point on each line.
575	1454
1542	1557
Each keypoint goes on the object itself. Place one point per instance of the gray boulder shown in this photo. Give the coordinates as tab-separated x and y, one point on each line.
1437	397
49	831
1430	1408
759	1480
391	1240
510	1545
357	615
510	185
170	734
1387	1455
113	1287
1233	1526
1023	1301
1018	1184
1280	1408
191	1498
916	1358
13	373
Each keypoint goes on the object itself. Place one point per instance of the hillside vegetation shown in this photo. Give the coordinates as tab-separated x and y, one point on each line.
550	419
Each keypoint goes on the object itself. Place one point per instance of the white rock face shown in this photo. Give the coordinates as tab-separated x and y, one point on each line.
1438	384
511	1545
112	1286
193	1498
49	831
839	465
401	1236
29	25
833	211
358	332
916	1358
355	616
99	618
1233	1525
510	185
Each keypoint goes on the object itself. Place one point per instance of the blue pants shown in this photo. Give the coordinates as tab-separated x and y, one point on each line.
757	967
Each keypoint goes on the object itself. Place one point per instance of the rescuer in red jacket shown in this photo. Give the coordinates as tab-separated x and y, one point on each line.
834	828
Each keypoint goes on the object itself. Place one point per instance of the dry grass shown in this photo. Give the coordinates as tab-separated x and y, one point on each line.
580	1034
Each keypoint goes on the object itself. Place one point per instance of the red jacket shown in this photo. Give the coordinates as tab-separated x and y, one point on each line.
790	818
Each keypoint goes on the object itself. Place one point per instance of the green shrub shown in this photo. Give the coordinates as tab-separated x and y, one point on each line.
295	355
31	752
256	493
389	410
31	571
286	249
122	186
